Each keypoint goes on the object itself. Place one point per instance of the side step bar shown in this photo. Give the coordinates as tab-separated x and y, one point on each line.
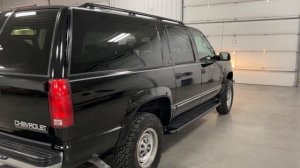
192	115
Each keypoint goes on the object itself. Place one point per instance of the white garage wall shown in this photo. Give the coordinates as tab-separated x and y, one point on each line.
262	36
165	8
7	4
77	2
1	6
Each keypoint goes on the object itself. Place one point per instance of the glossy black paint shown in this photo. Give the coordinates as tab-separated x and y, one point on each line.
105	102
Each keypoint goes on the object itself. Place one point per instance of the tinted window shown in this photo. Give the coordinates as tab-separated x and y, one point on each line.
204	49
2	19
25	42
180	44
104	41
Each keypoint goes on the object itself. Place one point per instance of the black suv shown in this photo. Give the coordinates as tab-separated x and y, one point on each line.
81	83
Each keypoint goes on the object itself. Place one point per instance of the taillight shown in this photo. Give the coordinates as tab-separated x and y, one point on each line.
60	103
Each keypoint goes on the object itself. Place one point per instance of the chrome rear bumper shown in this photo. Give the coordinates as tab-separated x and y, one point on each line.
19	164
24	153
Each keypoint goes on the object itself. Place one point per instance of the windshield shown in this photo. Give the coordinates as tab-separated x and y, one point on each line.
25	41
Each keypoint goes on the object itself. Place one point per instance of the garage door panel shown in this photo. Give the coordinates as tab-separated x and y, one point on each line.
266	27
265	77
242	10
285	61
260	43
209	29
269	43
258	27
201	2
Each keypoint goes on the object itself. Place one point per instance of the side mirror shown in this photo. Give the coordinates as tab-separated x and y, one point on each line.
224	56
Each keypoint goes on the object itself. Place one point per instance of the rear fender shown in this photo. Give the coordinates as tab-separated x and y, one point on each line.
136	102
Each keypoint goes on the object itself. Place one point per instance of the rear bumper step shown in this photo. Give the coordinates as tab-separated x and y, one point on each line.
21	153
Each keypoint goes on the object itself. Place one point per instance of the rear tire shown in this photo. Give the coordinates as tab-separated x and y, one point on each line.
142	147
226	98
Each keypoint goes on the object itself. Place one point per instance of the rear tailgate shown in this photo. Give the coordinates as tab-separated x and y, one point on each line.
25	44
24	106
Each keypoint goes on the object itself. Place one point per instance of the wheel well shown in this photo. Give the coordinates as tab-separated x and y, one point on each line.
230	76
160	107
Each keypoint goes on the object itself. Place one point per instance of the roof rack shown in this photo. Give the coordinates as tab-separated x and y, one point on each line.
130	12
24	6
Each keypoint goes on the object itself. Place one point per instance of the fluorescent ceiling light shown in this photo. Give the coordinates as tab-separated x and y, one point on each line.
119	37
8	14
22	14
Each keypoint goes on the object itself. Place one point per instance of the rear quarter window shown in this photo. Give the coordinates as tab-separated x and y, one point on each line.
25	41
103	41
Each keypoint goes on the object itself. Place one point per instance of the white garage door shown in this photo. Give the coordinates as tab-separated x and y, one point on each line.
262	36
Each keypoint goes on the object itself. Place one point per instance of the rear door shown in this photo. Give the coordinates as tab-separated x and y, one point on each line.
212	75
187	71
25	44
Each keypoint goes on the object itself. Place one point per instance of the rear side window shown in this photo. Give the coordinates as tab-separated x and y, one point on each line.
180	45
26	41
103	41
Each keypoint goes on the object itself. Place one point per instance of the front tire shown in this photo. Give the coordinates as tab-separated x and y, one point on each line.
226	98
142	147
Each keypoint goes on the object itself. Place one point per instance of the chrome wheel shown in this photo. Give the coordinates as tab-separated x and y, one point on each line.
229	97
147	148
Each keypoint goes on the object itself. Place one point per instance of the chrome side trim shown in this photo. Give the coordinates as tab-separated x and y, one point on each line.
112	130
199	96
203	114
19	164
119	73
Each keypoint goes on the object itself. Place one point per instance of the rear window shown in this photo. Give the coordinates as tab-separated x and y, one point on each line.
25	41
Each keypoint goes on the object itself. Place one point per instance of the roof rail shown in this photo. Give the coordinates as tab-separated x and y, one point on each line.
130	12
23	6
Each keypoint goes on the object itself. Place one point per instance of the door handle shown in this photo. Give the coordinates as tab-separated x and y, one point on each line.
203	70
187	73
180	74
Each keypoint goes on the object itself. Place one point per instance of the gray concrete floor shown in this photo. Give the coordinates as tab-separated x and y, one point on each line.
262	131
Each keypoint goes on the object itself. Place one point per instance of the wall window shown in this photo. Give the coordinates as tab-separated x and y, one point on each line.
103	41
204	49
180	45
